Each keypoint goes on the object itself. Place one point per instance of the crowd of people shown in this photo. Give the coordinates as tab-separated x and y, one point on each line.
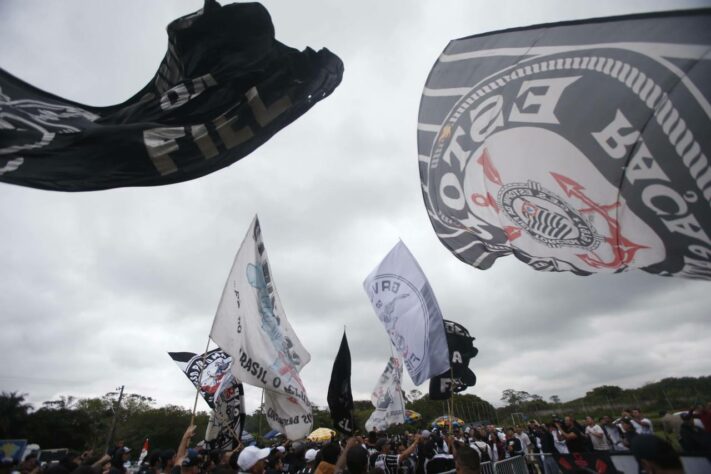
439	450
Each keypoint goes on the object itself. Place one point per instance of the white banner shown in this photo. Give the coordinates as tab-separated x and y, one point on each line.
387	399
251	326
404	302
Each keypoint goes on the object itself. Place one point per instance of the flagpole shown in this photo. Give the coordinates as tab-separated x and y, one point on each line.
199	380
450	403
261	409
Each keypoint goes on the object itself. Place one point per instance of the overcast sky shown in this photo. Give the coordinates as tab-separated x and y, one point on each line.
97	287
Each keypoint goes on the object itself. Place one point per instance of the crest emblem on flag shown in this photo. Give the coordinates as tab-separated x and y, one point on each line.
573	148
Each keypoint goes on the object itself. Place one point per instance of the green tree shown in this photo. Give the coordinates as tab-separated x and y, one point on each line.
164	427
514	397
53	428
13	414
100	412
605	392
322	418
64	403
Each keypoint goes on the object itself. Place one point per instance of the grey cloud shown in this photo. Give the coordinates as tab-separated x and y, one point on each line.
98	286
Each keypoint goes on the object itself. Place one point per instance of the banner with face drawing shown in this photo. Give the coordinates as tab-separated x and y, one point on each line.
212	374
251	326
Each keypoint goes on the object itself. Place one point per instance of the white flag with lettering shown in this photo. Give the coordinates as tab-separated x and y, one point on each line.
251	326
404	302
387	399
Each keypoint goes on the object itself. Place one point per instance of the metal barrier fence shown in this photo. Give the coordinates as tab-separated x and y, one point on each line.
487	468
621	462
514	465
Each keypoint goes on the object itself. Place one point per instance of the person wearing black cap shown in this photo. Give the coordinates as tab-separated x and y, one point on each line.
388	461
655	455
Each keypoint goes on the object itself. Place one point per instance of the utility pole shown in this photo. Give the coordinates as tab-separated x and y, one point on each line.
110	440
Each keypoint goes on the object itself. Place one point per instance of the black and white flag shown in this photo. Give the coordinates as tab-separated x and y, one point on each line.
580	146
212	374
224	87
405	304
340	395
461	351
251	325
387	399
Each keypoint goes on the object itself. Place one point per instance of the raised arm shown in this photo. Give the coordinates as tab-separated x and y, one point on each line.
341	463
184	443
410	449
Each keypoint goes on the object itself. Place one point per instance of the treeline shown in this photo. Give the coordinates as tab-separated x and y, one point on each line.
86	423
671	394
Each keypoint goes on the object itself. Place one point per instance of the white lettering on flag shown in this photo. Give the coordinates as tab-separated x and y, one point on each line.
251	326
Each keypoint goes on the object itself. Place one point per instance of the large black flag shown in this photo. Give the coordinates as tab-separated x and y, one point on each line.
224	88
579	146
461	351
340	396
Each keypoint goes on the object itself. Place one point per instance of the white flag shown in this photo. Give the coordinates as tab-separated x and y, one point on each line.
387	399
404	302
251	326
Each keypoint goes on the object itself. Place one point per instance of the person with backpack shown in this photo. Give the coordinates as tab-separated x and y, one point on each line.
479	444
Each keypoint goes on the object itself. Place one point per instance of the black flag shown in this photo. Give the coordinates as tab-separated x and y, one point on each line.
461	351
224	87
340	397
580	146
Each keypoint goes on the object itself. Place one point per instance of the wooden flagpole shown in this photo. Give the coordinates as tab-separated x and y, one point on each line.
197	392
450	402
261	409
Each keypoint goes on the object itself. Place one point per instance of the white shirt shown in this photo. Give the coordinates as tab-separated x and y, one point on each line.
525	441
641	429
559	443
614	433
599	442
